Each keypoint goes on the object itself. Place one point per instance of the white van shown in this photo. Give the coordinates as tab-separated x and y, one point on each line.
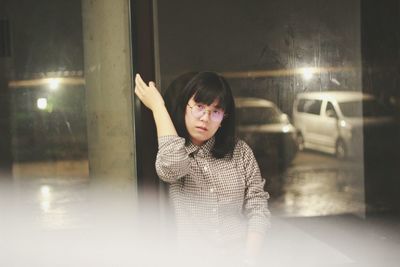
334	122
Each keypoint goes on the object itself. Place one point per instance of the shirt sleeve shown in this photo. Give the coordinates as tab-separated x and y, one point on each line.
256	199
172	162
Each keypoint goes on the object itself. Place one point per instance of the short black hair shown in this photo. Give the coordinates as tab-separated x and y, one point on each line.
175	89
206	87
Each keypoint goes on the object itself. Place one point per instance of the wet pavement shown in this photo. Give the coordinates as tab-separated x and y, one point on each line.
318	192
317	184
314	185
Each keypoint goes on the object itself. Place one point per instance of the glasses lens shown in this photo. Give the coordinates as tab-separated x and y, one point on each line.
198	111
217	115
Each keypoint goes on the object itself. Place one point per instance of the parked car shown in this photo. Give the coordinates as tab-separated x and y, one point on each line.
339	122
267	131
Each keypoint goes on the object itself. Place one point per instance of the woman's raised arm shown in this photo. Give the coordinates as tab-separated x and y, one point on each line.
151	98
172	160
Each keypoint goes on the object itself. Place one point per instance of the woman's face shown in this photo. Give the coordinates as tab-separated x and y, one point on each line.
202	121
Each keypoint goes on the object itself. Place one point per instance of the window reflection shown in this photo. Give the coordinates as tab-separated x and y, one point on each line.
271	53
48	120
45	87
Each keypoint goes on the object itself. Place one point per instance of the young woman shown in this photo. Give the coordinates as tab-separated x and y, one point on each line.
215	183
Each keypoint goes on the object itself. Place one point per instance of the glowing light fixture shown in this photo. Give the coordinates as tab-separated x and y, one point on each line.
307	73
41	103
285	128
54	83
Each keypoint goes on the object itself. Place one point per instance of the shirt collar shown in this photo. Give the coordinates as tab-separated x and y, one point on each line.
204	149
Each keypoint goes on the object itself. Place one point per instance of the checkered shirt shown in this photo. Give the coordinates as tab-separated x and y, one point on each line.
219	200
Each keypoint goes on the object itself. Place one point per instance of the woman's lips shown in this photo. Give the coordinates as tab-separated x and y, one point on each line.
202	129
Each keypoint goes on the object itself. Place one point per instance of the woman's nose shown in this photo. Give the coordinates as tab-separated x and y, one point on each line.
206	115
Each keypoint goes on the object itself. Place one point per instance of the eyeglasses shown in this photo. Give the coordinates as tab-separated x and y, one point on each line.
199	110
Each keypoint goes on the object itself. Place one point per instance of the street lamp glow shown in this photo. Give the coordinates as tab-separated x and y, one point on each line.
307	73
45	190
285	129
54	83
41	103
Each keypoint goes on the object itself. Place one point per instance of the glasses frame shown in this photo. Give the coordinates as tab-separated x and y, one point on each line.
206	110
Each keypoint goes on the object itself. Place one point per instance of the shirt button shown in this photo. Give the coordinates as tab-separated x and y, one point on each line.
205	168
212	190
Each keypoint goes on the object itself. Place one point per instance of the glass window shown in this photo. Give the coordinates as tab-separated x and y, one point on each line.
52	110
258	115
312	106
330	110
46	88
275	50
300	105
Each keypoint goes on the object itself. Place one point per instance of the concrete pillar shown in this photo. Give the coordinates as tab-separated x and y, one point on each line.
108	76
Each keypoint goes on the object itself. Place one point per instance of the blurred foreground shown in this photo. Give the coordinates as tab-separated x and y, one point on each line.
66	221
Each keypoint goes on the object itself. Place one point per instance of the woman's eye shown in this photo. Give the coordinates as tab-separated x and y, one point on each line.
200	107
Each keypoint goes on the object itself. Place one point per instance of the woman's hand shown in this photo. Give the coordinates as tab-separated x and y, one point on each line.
152	99
148	94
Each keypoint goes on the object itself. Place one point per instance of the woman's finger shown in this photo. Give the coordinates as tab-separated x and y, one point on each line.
140	82
148	94
142	87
